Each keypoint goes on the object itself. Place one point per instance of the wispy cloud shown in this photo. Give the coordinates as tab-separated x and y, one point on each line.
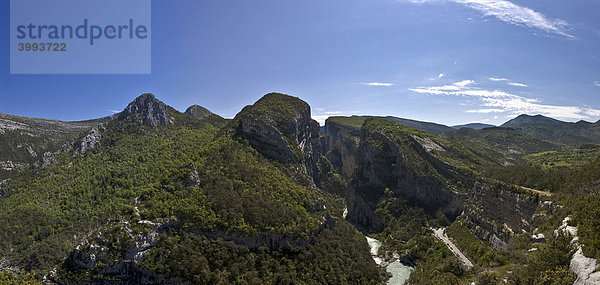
597	83
517	84
114	111
486	111
511	13
497	101
508	81
379	84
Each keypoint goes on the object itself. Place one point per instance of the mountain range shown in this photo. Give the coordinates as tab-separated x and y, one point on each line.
152	195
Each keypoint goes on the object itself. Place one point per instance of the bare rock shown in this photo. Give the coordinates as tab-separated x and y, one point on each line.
538	238
147	110
584	268
88	142
192	180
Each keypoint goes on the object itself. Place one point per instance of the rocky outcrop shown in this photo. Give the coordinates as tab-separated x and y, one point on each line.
8	165
147	110
198	112
274	241
538	238
89	141
496	212
2	184
192	179
98	252
267	139
48	159
280	128
585	269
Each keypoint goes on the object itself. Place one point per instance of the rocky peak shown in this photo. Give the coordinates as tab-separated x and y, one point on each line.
147	110
198	111
279	126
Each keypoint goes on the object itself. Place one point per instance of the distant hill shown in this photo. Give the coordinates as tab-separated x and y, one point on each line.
555	130
432	128
198	111
523	120
357	122
476	126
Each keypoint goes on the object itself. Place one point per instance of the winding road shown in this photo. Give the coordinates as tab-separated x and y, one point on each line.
441	235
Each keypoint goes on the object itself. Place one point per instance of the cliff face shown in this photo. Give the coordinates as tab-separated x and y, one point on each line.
376	159
384	164
280	128
383	155
496	212
343	144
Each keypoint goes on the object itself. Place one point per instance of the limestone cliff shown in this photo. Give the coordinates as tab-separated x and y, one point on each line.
280	128
495	212
375	158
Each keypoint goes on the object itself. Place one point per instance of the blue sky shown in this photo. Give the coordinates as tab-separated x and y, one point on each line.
446	61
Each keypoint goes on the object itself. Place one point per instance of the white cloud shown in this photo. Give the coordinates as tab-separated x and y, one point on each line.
114	111
486	111
592	112
439	90
517	84
496	79
379	84
597	83
511	13
464	83
497	101
441	75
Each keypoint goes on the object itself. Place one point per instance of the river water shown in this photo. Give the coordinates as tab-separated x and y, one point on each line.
399	271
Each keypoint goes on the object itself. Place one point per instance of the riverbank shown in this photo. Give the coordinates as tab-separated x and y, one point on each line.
398	271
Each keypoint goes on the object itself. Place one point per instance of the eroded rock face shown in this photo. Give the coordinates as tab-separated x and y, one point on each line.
192	179
374	162
343	143
197	111
274	241
384	164
496	212
48	159
584	268
266	139
147	110
88	142
101	252
2	184
286	134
